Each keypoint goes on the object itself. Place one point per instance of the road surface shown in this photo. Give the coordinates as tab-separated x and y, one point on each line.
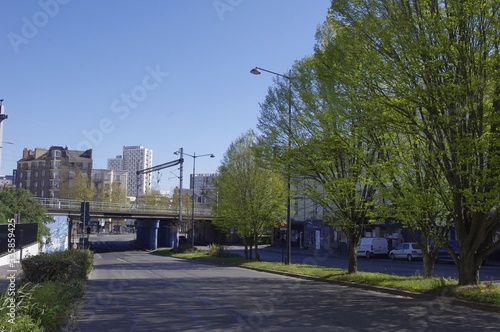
132	290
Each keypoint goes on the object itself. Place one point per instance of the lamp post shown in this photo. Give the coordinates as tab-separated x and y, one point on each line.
194	156
257	71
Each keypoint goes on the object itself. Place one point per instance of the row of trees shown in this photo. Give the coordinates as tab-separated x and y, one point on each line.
395	115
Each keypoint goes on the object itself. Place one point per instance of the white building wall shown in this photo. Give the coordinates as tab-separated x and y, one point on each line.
137	158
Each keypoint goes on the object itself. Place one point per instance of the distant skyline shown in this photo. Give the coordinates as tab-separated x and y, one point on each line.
163	74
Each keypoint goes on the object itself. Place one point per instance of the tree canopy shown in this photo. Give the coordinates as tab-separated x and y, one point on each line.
14	200
250	198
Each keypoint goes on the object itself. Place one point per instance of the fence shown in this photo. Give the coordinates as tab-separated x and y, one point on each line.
24	235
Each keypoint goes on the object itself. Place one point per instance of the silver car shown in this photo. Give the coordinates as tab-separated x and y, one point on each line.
406	250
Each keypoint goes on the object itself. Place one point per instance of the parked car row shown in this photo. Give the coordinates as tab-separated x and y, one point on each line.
378	246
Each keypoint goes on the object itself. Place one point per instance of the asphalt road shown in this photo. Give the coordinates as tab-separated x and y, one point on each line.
132	290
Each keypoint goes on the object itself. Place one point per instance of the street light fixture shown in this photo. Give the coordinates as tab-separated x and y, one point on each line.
257	71
194	156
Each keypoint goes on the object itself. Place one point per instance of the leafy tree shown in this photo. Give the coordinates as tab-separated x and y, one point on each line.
327	146
80	187
118	193
434	67
251	198
415	194
14	200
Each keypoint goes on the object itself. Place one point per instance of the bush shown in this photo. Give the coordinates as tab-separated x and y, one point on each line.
218	250
51	286
184	248
22	323
62	266
54	303
18	317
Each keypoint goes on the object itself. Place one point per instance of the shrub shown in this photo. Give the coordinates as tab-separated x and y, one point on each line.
184	248
218	250
18	317
63	266
54	303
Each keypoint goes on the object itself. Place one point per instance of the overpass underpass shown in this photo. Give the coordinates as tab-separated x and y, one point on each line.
156	226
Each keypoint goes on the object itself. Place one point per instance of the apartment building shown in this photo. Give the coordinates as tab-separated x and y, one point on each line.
50	173
134	158
110	183
203	189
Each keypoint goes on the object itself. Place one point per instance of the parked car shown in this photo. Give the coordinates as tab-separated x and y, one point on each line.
406	250
372	246
444	255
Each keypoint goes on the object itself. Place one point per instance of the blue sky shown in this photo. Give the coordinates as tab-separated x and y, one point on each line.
163	74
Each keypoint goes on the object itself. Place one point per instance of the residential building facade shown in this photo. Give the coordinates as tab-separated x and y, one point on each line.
51	173
134	158
109	183
203	189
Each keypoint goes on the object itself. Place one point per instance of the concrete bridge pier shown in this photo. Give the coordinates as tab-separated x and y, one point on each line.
153	233
147	233
167	234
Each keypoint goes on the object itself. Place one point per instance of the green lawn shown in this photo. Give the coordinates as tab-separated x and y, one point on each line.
486	292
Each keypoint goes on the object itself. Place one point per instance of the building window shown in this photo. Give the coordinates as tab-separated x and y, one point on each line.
55	164
85	165
71	174
56	153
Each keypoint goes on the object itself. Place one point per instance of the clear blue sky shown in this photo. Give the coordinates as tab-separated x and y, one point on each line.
163	74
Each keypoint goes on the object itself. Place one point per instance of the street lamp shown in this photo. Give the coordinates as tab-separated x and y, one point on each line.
194	156
257	71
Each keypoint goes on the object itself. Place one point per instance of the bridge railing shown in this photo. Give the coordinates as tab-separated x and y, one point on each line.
70	204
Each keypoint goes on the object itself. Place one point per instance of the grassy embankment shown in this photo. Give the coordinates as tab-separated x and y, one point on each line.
46	295
486	292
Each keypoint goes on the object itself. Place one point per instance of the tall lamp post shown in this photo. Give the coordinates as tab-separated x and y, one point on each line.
194	156
257	71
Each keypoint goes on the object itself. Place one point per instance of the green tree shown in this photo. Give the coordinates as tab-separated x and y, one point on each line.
251	198
327	147
118	193
80	187
434	66
14	200
415	194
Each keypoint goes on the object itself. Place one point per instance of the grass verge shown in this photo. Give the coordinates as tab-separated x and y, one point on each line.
485	292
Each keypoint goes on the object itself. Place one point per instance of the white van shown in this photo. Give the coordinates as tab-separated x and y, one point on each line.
372	246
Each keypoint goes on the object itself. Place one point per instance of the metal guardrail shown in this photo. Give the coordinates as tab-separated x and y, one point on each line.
74	205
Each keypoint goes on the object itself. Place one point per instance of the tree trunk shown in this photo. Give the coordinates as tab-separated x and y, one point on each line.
257	255
250	244
468	269
428	261
246	247
353	259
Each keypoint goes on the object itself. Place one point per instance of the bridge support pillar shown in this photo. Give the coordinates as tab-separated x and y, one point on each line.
147	233
167	234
